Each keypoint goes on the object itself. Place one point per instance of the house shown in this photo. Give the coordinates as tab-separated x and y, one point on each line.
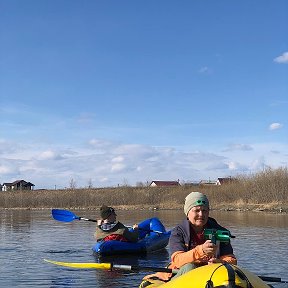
207	182
191	184
164	183
227	180
17	185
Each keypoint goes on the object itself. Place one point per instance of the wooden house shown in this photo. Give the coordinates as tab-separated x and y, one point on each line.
17	185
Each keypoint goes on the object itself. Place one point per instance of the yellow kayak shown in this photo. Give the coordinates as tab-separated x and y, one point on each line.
220	275
208	276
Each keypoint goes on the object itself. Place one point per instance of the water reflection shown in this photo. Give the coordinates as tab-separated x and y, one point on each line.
29	236
16	220
254	219
125	278
128	259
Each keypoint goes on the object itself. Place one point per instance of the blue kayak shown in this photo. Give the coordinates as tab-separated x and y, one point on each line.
152	237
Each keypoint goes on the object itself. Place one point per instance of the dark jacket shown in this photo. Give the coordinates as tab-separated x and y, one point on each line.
181	244
118	229
181	238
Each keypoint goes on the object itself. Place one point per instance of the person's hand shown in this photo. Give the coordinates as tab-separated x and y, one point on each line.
99	222
135	226
209	248
214	260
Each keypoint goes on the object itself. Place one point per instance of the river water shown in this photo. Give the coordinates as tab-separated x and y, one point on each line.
27	237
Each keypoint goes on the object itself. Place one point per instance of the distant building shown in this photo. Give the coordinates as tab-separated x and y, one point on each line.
227	180
207	182
191	184
17	185
164	183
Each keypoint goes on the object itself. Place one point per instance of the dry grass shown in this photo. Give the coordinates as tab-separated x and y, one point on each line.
266	190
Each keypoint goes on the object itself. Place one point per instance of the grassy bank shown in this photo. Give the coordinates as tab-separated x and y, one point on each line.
266	191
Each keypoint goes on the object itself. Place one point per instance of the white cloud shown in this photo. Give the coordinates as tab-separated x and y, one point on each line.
104	179
118	159
232	165
258	164
57	165
239	147
48	155
205	70
5	170
117	167
218	166
99	143
275	126
239	168
282	58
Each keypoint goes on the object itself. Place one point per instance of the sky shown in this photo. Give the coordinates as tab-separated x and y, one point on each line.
107	93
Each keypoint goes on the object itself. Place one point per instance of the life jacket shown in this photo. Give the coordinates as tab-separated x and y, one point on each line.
116	237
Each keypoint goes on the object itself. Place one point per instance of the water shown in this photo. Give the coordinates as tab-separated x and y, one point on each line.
27	237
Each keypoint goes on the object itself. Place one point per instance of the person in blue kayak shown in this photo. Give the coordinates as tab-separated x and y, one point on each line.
108	228
187	244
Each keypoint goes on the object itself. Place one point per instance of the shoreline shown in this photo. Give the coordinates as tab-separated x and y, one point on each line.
256	208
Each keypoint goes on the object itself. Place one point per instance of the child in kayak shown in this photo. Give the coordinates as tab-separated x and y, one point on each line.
108	228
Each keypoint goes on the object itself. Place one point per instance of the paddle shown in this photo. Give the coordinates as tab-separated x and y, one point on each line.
272	279
68	216
110	266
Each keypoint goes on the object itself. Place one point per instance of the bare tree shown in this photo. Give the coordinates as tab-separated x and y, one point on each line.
90	184
72	184
140	184
125	183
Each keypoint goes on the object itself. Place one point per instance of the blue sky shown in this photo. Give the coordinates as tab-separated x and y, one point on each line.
122	92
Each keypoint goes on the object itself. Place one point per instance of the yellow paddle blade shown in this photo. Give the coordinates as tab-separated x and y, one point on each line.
106	266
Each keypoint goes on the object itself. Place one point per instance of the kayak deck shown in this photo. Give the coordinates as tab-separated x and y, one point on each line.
152	237
218	275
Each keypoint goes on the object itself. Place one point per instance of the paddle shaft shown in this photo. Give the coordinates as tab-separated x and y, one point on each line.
272	279
68	216
145	268
92	220
86	219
